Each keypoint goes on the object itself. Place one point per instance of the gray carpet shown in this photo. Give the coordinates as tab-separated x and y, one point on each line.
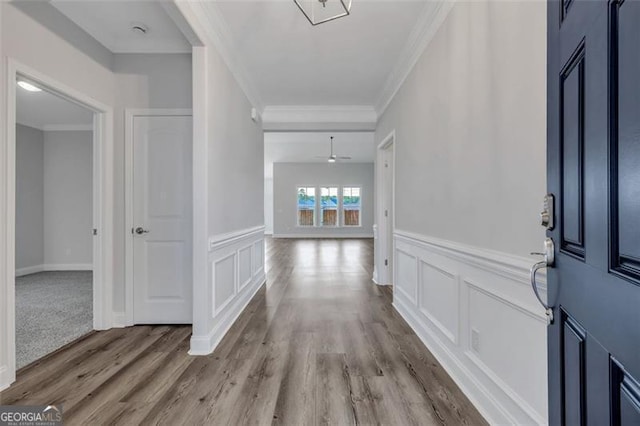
52	309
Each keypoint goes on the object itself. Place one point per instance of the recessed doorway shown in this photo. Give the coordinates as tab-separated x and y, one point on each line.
54	221
70	186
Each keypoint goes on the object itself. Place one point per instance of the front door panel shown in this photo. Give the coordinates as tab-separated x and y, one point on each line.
593	164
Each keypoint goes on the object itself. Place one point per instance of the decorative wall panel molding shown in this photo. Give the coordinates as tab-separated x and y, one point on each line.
470	307
236	265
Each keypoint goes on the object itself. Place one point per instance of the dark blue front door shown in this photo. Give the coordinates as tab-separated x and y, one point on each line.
594	172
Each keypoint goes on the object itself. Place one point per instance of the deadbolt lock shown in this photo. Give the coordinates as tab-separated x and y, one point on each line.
546	216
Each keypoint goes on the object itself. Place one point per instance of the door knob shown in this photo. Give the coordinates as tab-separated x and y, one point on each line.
548	261
140	230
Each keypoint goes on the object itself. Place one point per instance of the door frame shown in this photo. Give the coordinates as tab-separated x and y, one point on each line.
130	115
381	275
102	205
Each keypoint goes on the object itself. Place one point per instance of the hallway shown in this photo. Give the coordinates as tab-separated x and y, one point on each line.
320	344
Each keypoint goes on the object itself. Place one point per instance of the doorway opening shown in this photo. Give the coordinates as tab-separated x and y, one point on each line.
385	173
54	222
60	291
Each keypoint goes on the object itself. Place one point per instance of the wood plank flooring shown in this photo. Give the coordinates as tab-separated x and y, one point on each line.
319	344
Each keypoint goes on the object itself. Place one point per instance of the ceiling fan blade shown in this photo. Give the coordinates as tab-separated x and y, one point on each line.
344	158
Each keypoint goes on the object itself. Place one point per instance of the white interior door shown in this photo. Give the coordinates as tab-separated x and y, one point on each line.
162	232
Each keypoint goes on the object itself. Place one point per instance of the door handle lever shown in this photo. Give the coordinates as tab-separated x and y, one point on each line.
548	261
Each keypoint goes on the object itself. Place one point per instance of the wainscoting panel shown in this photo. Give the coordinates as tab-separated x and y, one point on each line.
407	274
475	311
439	292
258	256
236	265
224	282
245	266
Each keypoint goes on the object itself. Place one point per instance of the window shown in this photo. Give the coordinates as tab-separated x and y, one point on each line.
351	203
306	206
329	206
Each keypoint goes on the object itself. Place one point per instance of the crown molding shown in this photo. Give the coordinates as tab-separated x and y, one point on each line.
319	117
218	33
432	17
328	117
27	123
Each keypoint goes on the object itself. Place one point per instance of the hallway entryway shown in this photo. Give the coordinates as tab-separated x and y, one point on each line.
320	343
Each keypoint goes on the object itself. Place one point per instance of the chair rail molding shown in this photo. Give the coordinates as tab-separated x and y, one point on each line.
475	311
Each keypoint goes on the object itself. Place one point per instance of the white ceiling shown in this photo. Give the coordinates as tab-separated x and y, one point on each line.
344	62
45	111
277	56
303	147
110	23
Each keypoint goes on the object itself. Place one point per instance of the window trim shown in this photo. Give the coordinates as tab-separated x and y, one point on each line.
360	221
315	207
338	207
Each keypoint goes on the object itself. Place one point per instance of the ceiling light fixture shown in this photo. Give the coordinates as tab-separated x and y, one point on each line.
321	11
28	86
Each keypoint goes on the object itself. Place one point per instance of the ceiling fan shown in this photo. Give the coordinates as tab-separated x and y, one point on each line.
332	157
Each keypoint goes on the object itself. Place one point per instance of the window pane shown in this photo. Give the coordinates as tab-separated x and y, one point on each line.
351	206
329	206
306	206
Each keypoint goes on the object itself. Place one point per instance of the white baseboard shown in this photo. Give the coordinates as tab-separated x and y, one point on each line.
68	267
119	320
323	236
54	267
5	378
479	397
29	270
205	345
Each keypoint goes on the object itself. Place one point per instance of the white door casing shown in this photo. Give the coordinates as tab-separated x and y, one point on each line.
388	208
159	260
385	201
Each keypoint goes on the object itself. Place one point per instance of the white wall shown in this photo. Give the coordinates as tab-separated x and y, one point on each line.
470	158
287	177
236	154
471	117
235	176
29	198
54	200
229	169
68	200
